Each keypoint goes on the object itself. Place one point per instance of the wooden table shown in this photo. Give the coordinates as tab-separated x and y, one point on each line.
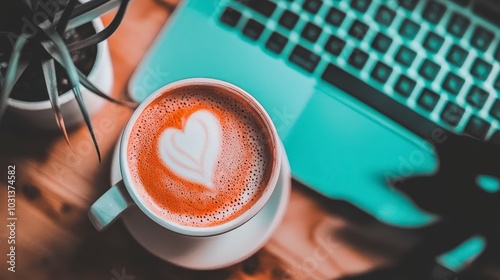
56	186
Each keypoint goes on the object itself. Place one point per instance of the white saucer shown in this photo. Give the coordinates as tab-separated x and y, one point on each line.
210	252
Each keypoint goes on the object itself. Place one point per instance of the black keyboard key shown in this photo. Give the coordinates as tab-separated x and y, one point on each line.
428	99
361	5
385	15
304	58
276	42
408	4
496	85
434	11
458	25
253	29
497	53
335	45
230	17
495	110
312	6
288	19
429	70
433	42
311	32
381	72
335	17
495	138
379	101
477	97
263	7
405	85
381	43
358	29
452	114
409	29
405	56
477	128
481	39
457	56
358	58
453	83
481	69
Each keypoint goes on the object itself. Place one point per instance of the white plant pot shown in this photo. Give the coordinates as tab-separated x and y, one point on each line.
40	114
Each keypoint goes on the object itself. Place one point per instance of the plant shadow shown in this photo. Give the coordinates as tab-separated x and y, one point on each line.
19	139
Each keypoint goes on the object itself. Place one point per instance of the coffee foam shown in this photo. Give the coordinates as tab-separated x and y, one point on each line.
242	166
192	153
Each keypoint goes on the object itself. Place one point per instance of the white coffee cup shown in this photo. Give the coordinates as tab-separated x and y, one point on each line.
124	194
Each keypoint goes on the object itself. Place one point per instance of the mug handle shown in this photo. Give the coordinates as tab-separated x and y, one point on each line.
110	206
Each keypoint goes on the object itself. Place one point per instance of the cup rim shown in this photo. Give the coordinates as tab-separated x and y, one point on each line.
211	230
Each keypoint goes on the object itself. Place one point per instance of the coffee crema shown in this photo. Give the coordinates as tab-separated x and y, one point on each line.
199	155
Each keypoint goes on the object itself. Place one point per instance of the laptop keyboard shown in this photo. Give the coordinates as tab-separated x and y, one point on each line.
425	64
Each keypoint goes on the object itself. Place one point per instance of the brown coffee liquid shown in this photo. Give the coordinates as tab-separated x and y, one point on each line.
242	169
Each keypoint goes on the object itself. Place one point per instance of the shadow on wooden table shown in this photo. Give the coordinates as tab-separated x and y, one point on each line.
20	140
115	254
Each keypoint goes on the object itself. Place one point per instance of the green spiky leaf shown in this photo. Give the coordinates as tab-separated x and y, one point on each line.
62	22
49	73
83	109
84	81
57	46
91	87
91	10
15	69
103	34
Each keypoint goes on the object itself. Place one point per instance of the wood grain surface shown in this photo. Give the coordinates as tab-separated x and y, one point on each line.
56	185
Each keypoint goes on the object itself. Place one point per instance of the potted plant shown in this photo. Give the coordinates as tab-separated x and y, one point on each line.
54	61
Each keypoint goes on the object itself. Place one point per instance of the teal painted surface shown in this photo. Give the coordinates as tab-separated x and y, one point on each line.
488	183
353	157
457	258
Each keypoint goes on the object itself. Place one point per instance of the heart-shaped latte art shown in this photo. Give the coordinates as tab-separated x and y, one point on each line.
192	153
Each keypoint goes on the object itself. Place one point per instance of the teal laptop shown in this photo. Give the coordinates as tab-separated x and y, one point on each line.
359	90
